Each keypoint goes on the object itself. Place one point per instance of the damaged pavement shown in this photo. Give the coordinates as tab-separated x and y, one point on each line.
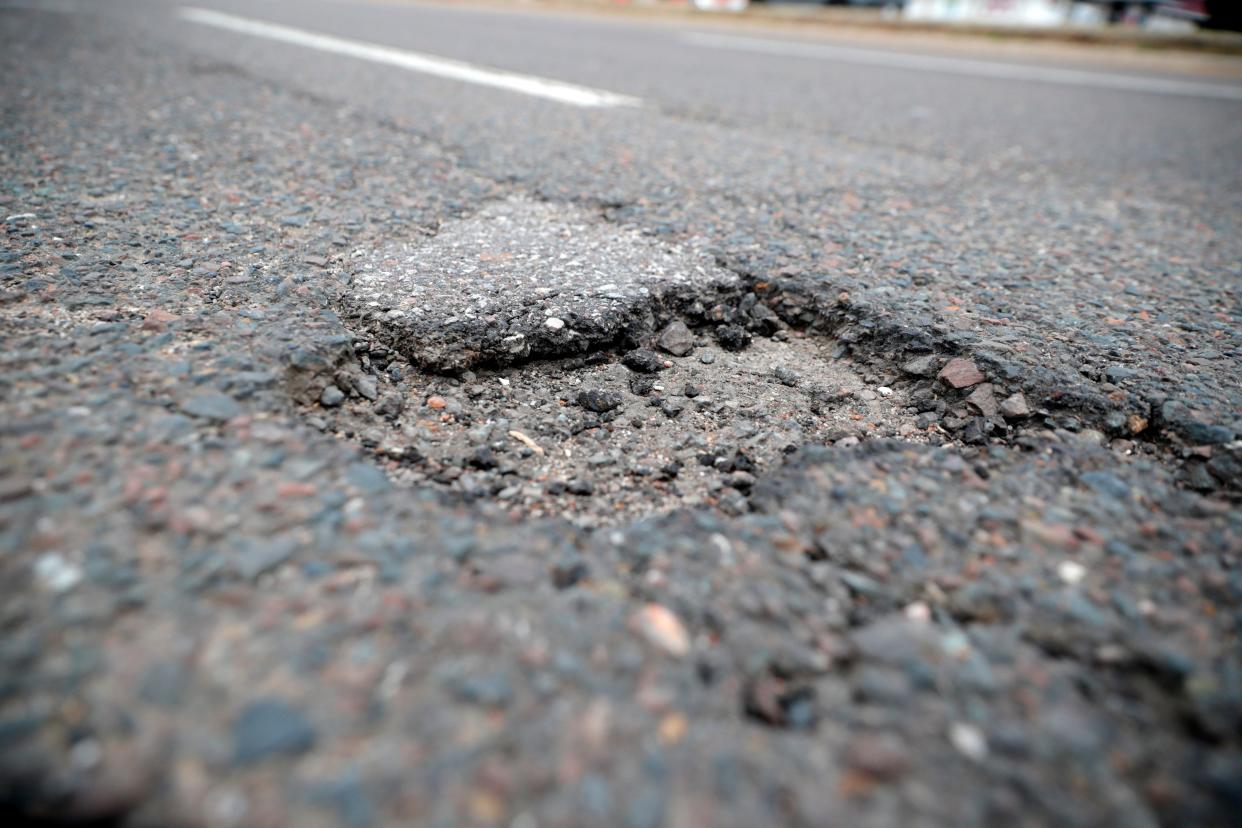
539	490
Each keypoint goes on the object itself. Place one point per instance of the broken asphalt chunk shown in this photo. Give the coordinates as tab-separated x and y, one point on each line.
598	400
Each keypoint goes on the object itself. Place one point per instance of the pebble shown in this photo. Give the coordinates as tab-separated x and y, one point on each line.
554	323
212	406
786	376
676	339
960	373
882	756
671	408
918	611
582	488
1071	572
1206	434
57	574
1014	407
924	366
331	397
270	728
983	400
662	628
969	741
367	386
391	406
641	384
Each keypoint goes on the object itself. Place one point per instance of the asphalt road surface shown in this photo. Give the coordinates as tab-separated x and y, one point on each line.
427	415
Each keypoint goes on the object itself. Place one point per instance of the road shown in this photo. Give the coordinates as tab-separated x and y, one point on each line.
449	415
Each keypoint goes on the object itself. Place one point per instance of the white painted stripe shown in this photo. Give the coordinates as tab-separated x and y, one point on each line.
567	93
972	68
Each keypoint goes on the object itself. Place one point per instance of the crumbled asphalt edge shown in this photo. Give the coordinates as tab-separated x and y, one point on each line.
868	334
976	711
1062	398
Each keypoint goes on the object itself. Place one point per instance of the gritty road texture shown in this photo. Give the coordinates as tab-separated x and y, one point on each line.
811	445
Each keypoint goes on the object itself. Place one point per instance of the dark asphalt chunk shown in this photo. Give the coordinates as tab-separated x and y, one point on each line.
643	361
598	400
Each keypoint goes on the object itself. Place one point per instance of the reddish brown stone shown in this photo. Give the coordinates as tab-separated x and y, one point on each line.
983	400
960	373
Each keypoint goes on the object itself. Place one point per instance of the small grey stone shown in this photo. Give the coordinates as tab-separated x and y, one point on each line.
391	406
367	386
924	366
976	431
764	320
269	728
676	339
787	376
582	488
1119	373
671	408
331	397
641	385
212	406
569	570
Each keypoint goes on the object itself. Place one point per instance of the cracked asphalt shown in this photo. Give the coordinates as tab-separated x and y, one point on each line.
819	441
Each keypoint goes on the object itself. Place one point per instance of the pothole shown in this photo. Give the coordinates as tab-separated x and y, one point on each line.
597	374
596	442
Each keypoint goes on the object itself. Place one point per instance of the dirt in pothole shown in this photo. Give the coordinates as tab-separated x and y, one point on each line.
696	432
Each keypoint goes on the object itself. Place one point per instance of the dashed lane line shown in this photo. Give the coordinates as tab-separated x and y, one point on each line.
553	90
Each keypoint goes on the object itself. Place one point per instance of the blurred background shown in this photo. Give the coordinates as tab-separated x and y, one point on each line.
1160	15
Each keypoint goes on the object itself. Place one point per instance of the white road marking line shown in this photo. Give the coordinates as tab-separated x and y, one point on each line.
963	66
566	93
